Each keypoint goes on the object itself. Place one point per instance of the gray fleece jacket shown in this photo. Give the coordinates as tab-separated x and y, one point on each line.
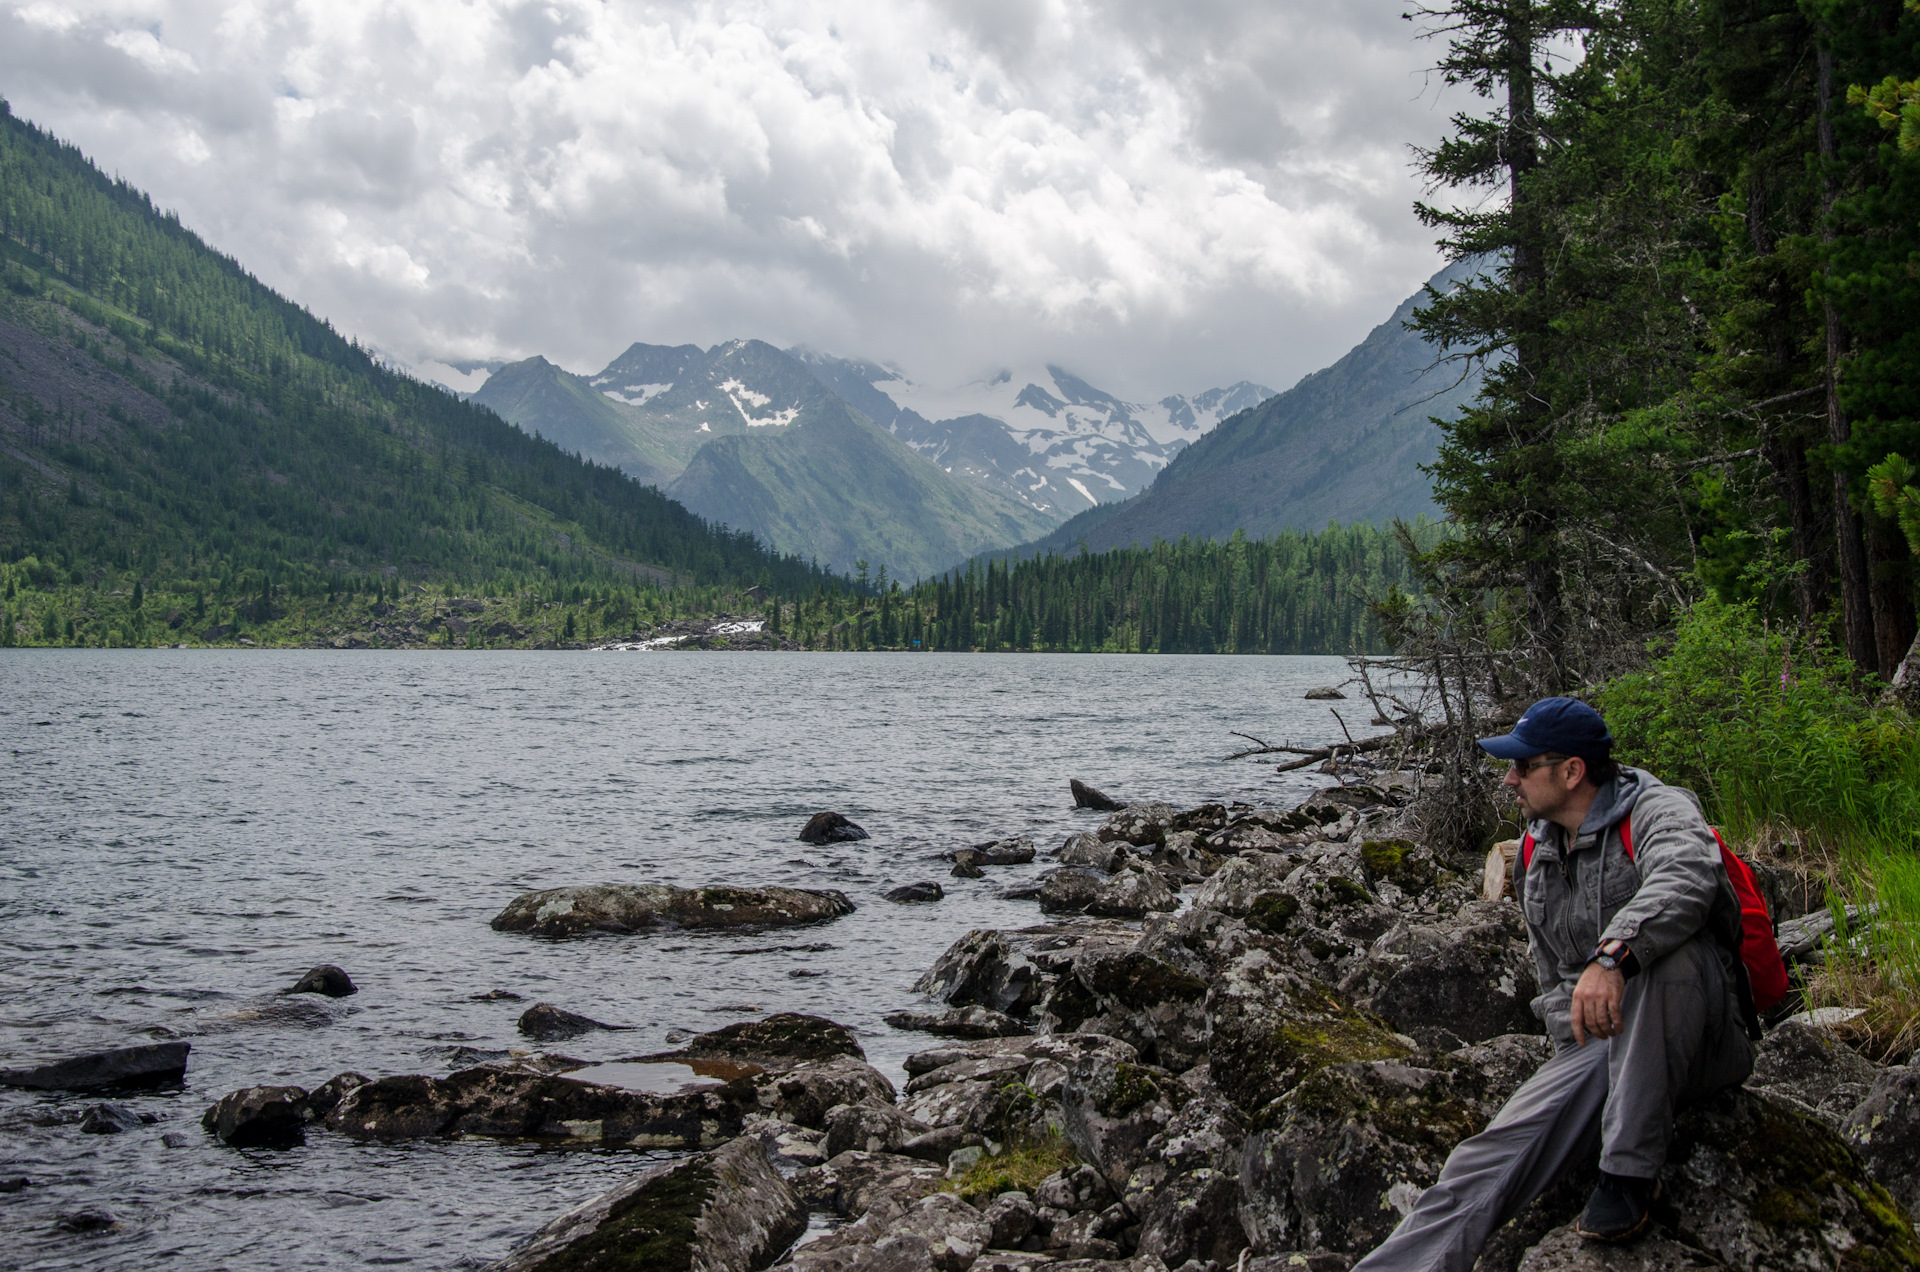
1576	895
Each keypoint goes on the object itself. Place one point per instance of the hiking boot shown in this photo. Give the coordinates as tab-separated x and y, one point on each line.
1618	1210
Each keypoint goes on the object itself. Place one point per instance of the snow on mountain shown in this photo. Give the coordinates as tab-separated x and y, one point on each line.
1056	442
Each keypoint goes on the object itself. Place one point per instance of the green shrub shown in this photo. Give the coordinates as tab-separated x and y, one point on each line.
1770	730
1776	734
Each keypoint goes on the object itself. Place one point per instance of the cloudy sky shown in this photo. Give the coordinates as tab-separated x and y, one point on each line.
1162	195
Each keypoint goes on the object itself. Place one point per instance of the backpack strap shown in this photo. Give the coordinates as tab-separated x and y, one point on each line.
1626	834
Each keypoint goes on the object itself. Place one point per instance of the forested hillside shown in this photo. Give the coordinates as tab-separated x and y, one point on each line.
1700	339
1289	594
169	427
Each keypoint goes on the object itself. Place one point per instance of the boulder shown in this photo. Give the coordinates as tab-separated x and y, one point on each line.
260	1117
783	1036
1447	984
153	1064
544	1022
1018	972
492	1100
110	1119
1323	693
1011	1217
850	1182
1111	1112
1157	1007
325	979
912	893
790	1148
1807	1068
1129	894
1142	825
960	1022
1885	1130
1085	796
1084	849
830	828
1069	890
723	1211
997	852
1565	1250
940	1228
965	867
868	1128
616	907
323	1098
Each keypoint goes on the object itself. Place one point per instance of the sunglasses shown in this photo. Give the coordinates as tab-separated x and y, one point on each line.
1524	767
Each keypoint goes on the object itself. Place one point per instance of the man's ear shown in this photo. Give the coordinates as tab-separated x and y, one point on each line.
1575	776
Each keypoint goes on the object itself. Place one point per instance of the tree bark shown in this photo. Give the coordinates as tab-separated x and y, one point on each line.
1856	606
1890	566
1538	521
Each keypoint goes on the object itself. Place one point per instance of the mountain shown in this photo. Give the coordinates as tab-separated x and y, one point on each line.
1345	444
1043	435
749	436
166	419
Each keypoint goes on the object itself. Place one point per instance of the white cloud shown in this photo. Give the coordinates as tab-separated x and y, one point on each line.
1164	197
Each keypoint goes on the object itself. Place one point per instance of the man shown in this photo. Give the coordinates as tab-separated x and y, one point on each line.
1641	988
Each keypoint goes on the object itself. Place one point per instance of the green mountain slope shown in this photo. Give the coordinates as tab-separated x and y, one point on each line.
834	484
566	410
166	418
747	436
1345	444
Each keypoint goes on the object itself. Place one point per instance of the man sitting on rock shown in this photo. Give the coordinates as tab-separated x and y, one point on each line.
1642	991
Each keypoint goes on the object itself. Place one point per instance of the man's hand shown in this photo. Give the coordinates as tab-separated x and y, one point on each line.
1596	1003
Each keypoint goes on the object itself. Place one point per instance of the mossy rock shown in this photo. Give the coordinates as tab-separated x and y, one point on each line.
1272	911
721	1209
1398	861
1135	1086
1342	891
785	1035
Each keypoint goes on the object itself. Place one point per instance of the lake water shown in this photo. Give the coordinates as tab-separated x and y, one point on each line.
183	833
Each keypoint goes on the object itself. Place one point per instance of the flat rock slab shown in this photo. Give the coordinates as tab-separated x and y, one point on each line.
724	1211
154	1064
643	907
506	1103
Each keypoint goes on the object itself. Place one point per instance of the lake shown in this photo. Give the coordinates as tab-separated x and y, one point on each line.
183	833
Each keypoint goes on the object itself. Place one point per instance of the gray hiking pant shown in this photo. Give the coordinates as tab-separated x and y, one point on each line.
1682	1037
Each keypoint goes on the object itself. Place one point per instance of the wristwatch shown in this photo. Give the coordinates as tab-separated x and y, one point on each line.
1614	956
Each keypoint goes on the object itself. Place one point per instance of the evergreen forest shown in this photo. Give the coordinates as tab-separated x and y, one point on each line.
1289	594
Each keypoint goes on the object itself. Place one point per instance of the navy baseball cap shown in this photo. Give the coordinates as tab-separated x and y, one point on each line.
1565	726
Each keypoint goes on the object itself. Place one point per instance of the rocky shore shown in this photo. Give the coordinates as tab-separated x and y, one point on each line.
1242	1038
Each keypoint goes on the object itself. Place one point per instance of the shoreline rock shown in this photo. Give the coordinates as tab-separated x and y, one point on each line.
623	908
151	1064
721	1211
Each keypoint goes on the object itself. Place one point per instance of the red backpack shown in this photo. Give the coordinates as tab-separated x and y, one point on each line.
1766	970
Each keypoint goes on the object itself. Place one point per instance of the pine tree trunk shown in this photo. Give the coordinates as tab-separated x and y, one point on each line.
1856	606
1890	578
1539	519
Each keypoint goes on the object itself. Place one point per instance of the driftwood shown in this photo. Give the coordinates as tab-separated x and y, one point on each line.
1314	755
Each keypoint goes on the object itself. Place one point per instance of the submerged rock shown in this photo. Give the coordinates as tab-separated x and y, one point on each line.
325	979
260	1117
996	852
110	1119
544	1022
1085	796
617	907
1322	693
830	828
913	893
723	1211
154	1064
